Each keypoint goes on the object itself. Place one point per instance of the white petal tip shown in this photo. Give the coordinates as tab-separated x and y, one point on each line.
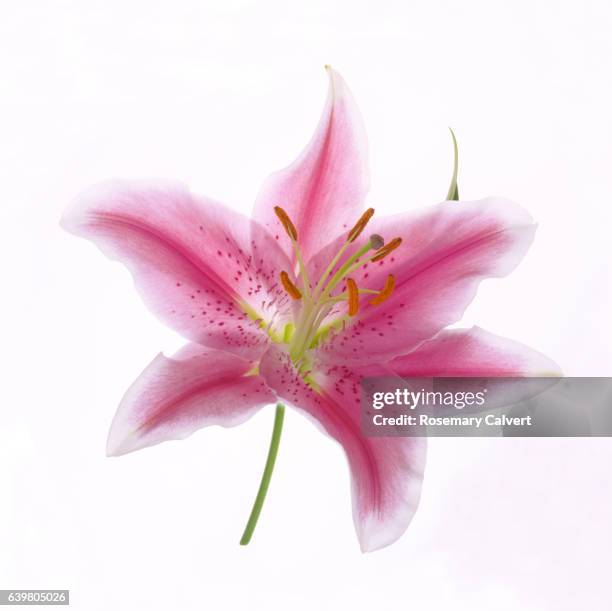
118	446
114	450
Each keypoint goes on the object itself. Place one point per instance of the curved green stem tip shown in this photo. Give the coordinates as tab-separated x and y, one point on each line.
266	476
453	189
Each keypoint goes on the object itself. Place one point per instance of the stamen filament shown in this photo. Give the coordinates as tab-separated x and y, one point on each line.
303	272
380	254
330	268
321	315
373	242
303	326
353	234
344	296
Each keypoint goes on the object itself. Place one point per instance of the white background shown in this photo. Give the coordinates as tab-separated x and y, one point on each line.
217	95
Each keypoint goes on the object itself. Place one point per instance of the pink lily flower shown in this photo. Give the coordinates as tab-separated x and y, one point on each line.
299	303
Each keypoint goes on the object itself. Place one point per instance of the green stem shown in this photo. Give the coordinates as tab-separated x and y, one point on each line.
267	475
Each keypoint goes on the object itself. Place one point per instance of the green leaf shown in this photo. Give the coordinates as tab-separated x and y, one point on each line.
453	189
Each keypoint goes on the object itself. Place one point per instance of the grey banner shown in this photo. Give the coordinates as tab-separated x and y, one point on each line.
34	597
486	407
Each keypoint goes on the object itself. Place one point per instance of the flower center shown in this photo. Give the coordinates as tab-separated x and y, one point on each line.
316	316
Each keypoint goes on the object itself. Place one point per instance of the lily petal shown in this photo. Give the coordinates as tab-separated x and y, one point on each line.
173	397
324	189
196	263
473	353
386	473
446	251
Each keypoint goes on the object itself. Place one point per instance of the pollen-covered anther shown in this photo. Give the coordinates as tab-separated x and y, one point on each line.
353	297
360	225
386	291
381	253
283	217
291	289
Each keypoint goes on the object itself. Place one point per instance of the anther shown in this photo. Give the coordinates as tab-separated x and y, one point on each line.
360	225
353	297
381	253
386	291
291	289
283	217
